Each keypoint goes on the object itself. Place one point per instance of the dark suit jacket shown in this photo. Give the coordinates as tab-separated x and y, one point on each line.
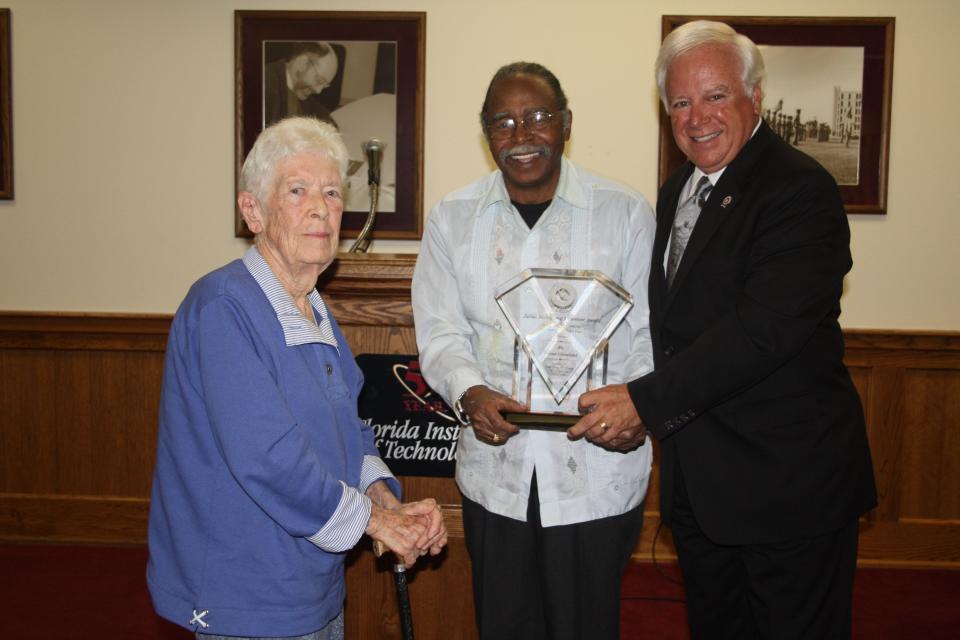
750	395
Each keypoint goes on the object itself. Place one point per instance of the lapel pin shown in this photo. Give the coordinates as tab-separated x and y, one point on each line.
726	202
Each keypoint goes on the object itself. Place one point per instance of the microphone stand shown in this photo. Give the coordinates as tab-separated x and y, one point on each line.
373	149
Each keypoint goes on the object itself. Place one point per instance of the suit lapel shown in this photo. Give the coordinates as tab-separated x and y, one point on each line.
721	205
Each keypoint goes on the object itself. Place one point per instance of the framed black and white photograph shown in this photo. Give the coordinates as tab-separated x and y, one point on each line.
827	92
361	71
6	110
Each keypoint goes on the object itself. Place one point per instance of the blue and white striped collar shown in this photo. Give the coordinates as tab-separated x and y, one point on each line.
297	330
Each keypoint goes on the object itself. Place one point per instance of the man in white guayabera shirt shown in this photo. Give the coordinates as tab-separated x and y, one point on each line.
550	522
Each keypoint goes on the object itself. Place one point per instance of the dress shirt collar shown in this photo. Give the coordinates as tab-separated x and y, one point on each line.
569	189
297	330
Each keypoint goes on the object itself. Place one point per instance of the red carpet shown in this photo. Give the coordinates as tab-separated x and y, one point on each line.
51	592
888	604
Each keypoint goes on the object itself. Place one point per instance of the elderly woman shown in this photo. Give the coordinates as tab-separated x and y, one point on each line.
265	475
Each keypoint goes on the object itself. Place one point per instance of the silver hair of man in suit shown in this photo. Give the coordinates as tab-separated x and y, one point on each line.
699	32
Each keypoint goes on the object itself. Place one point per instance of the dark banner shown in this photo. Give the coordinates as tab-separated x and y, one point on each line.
416	431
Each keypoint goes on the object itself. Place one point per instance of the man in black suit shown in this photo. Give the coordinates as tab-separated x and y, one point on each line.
765	465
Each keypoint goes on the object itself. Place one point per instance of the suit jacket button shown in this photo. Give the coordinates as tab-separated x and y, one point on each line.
668	351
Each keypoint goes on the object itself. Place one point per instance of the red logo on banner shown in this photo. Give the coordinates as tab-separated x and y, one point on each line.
412	381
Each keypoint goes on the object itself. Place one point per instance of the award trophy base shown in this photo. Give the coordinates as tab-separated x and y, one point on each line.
549	421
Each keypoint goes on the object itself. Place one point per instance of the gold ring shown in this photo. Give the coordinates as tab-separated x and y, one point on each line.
495	437
603	427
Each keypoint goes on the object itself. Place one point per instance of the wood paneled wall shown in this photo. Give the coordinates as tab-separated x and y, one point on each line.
78	410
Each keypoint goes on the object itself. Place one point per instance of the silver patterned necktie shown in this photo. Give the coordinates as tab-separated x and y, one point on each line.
683	225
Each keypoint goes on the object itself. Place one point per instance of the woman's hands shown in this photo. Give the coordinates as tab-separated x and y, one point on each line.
410	530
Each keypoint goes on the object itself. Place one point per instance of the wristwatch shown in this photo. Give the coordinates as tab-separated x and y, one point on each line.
462	415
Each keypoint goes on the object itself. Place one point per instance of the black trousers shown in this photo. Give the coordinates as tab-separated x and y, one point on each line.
796	589
548	583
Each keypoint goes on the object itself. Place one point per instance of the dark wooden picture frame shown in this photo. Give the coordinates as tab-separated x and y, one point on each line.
6	110
408	31
875	36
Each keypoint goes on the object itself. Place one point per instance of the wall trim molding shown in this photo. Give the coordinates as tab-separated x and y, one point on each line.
84	331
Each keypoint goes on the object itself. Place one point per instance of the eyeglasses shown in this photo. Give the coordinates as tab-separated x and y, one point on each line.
503	127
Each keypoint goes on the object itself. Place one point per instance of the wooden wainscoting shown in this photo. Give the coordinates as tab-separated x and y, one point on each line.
78	412
79	395
910	386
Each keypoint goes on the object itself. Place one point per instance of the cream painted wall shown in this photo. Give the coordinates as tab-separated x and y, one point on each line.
123	135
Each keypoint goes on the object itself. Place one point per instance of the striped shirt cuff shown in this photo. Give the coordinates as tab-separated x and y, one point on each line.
373	469
347	524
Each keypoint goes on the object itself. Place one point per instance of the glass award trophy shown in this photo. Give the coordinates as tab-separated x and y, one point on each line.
562	320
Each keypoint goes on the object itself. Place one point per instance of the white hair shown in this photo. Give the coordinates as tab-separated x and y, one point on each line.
700	32
283	139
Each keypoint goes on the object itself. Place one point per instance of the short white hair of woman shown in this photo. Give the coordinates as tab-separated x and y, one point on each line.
286	138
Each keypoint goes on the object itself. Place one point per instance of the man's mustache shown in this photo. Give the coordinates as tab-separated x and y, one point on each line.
525	149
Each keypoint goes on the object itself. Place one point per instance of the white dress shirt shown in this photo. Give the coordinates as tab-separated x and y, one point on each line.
475	240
